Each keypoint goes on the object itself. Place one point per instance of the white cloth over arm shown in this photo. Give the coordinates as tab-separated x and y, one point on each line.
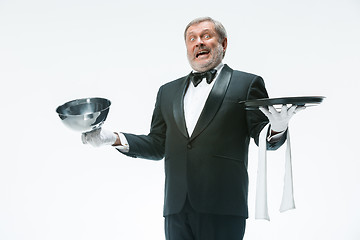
261	206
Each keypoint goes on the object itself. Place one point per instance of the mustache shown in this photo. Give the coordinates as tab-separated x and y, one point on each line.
201	48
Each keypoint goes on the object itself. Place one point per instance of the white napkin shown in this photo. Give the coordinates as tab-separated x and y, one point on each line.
287	203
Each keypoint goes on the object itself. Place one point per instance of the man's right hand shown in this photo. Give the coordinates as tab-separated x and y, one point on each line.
99	137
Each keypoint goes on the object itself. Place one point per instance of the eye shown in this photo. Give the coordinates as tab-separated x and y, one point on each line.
191	39
207	36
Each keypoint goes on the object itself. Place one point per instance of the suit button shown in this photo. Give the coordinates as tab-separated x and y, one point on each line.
189	146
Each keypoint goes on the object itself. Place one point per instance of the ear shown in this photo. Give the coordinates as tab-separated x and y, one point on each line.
224	44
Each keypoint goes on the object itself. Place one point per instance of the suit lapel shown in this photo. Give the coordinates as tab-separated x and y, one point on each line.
178	107
214	100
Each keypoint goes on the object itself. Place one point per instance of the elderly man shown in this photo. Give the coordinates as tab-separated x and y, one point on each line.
203	133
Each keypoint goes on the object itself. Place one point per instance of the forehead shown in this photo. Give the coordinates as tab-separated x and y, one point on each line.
201	27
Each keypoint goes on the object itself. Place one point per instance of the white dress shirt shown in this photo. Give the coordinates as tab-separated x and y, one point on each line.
195	98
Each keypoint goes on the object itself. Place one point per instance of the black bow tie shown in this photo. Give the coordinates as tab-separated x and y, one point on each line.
196	78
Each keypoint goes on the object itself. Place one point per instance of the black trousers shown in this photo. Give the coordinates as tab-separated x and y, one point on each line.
192	225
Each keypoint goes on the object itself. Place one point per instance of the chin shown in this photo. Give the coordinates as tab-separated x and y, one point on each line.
202	67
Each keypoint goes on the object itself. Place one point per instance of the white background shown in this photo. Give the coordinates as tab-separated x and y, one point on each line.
53	187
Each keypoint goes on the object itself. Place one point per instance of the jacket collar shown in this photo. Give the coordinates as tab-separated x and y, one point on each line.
211	107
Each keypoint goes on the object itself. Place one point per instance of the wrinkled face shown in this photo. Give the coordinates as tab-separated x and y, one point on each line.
204	51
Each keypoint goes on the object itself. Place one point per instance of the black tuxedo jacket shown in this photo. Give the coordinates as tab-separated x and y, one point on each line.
210	166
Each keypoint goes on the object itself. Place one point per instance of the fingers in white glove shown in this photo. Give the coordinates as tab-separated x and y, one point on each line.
273	111
83	138
265	111
279	120
99	137
294	109
291	110
299	108
285	111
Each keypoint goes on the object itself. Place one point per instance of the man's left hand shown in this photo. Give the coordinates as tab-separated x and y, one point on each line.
279	121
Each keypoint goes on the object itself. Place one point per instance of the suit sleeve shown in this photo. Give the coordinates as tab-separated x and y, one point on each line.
151	146
256	120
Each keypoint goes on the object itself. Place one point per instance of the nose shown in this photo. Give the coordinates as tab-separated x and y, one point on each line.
199	42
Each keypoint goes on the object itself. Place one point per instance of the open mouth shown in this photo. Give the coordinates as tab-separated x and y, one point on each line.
202	53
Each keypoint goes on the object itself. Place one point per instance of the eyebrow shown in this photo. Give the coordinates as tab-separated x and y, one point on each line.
205	30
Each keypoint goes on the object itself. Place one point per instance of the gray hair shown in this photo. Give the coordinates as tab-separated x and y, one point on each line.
219	28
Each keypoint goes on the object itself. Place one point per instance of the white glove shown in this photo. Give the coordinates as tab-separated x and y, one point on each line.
279	121
99	137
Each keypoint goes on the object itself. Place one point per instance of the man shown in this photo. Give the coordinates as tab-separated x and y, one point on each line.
203	132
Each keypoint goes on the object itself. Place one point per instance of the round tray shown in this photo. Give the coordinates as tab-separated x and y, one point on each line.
299	101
